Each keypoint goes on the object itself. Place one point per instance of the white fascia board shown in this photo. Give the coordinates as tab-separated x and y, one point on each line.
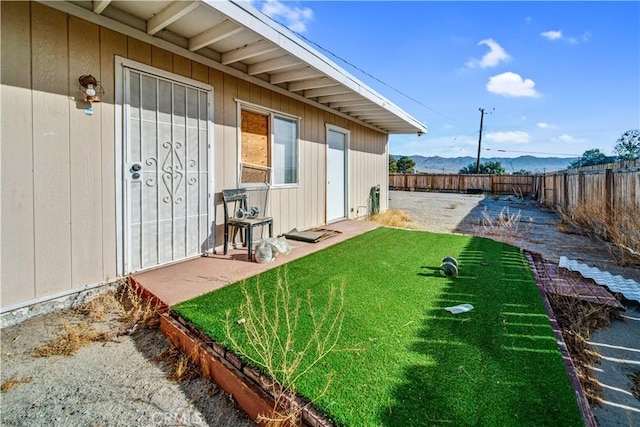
245	14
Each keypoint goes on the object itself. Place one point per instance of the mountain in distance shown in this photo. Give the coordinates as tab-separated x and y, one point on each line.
437	164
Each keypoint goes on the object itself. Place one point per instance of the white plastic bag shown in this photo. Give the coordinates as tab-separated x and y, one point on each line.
268	249
461	308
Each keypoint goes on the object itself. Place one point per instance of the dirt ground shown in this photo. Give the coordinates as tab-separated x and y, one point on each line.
121	382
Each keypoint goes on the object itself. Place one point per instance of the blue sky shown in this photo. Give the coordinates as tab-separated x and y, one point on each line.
558	78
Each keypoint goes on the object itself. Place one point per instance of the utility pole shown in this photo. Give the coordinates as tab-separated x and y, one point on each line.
479	140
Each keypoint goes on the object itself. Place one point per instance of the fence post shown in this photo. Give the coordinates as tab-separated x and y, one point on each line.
565	190
580	188
610	194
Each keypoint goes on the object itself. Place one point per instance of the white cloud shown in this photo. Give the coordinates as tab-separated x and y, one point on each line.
292	16
567	139
512	137
512	85
557	35
492	58
583	38
552	35
543	125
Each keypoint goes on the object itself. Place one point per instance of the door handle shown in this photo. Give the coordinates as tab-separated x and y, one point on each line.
135	169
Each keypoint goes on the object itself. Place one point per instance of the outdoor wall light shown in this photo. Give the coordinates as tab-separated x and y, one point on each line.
91	88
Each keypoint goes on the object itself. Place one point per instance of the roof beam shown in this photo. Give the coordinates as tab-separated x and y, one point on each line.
169	15
312	84
350	96
214	34
326	91
274	64
100	5
295	75
248	51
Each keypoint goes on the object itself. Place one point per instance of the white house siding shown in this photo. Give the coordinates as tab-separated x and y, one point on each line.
58	189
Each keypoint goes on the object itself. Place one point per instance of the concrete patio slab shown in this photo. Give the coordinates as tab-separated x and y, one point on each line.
185	280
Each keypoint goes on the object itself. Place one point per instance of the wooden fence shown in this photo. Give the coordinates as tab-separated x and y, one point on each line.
494	184
608	195
615	185
604	194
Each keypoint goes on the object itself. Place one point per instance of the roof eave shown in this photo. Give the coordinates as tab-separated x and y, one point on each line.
245	14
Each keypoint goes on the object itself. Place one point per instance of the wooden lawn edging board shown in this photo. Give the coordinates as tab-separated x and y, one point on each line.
245	384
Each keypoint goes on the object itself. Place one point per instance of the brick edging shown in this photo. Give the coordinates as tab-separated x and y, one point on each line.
583	403
249	387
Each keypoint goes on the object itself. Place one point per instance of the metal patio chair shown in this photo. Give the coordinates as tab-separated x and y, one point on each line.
244	210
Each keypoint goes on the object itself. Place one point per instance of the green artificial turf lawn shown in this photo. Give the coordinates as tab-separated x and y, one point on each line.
417	364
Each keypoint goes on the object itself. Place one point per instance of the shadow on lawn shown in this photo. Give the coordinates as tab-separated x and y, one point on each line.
497	364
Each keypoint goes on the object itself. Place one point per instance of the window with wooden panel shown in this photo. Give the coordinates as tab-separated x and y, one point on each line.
268	148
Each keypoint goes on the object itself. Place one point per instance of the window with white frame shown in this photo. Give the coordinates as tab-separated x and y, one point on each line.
268	147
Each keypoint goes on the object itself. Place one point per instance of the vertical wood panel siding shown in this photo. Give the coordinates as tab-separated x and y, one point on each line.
58	164
51	169
85	157
111	44
16	184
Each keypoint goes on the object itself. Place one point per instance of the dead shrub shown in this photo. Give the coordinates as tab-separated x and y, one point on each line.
271	329
12	383
184	367
98	308
393	218
619	230
71	340
506	226
138	311
635	384
578	320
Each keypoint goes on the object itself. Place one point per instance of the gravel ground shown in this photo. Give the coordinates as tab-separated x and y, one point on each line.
113	383
618	345
121	382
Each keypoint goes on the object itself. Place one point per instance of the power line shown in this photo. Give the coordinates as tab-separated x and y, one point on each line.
368	74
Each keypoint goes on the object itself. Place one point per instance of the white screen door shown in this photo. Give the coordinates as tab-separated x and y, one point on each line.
337	143
165	171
